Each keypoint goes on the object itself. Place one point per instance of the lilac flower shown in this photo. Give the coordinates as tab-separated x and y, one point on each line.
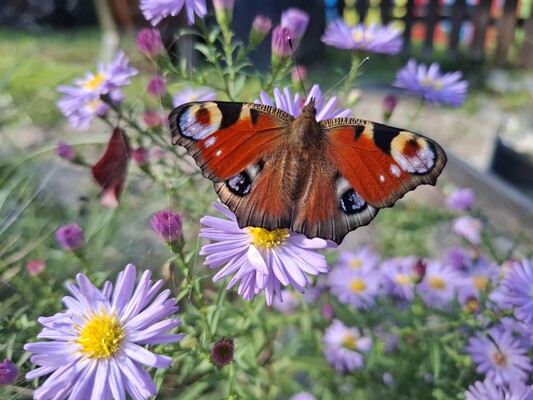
96	349
461	199
152	118
432	86
193	94
157	86
500	357
397	277
356	287
83	101
155	10
343	347
149	43
293	105
260	28
9	372
222	352
374	38
65	151
261	260
478	279
303	396
167	224
280	44
35	267
70	236
457	257
517	289
488	390
439	284
364	258
469	228
296	20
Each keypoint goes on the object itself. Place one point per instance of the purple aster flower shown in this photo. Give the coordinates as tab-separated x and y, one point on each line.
364	258
193	94
167	224
343	347
83	101
157	86
149	42
374	38
96	349
431	85
517	289
65	151
461	199
222	352
469	228
355	286
293	105
479	278
70	237
35	267
155	10
291	301
397	277
260	28
488	390
303	396
457	257
261	260
439	284
296	20
9	372
500	357
523	332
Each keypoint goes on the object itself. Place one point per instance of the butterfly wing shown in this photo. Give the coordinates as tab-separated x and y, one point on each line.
241	147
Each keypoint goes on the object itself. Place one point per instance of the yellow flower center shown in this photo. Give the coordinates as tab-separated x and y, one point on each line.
436	283
356	263
95	82
93	104
349	341
480	282
100	337
402	279
264	238
499	359
358	36
437	85
357	285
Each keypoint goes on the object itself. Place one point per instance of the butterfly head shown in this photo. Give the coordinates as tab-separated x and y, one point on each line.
309	109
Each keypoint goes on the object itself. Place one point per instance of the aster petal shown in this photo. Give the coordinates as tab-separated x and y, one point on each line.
115	382
255	257
154	333
137	382
145	357
124	288
101	388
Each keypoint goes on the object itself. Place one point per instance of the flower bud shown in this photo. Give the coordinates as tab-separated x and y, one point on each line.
224	11
222	352
260	28
389	104
140	156
419	271
152	118
35	267
167	224
157	86
70	237
149	43
65	151
9	372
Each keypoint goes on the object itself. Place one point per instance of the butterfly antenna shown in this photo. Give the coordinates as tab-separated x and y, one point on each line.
347	75
296	66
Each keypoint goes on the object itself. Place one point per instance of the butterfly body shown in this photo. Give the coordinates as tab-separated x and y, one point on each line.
320	178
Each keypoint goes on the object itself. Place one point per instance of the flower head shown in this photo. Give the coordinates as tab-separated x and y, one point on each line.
260	28
152	118
35	267
70	237
488	390
9	372
500	357
261	260
374	38
157	86
293	104
96	349
343	347
296	20
140	155
83	101
469	228
303	396
440	284
397	277
149	42
461	199
193	94
517	289
281	49
364	258
167	224
155	10
432	86
65	151
222	352
356	287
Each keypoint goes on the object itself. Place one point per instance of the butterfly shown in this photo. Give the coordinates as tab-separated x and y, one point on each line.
323	179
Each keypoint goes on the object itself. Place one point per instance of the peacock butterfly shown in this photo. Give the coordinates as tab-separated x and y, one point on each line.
323	179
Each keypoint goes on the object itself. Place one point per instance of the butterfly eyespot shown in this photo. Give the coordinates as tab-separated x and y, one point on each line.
240	184
415	156
198	122
351	203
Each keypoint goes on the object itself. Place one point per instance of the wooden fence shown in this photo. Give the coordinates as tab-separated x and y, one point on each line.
477	29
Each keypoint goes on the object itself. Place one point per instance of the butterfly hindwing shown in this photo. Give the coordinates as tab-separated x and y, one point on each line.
382	163
240	147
